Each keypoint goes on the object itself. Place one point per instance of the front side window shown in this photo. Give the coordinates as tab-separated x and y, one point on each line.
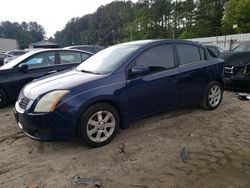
188	54
158	58
70	57
41	60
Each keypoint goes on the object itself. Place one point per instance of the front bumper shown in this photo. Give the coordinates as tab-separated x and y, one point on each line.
44	126
35	126
237	82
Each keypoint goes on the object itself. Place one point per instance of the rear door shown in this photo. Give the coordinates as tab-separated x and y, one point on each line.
39	65
158	90
192	72
70	59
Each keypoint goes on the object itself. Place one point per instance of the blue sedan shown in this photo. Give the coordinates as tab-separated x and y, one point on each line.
120	84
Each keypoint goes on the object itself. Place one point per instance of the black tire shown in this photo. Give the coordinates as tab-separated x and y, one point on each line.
92	114
3	98
209	104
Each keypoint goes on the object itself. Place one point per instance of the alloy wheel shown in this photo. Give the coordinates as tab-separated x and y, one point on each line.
214	95
101	126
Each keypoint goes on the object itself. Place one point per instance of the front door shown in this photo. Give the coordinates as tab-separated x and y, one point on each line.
158	90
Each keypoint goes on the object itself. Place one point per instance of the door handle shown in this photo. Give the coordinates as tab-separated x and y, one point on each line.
51	72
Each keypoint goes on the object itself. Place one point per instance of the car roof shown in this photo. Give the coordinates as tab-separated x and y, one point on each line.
60	49
159	41
69	47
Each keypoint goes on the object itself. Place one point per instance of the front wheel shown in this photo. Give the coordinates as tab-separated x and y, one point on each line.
98	125
213	96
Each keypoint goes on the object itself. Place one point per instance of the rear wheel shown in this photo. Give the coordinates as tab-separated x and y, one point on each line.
3	98
213	96
98	125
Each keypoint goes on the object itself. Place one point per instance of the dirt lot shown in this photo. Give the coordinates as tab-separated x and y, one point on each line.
217	152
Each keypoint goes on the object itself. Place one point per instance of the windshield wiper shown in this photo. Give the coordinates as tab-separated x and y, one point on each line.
91	72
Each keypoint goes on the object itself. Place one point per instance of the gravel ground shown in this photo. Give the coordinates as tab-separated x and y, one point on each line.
187	147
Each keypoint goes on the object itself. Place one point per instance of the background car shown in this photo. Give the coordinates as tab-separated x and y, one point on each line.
90	48
215	49
237	67
16	52
13	55
107	91
33	65
2	57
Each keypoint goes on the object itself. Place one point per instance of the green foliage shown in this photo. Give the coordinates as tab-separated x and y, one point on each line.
237	13
187	35
122	21
24	33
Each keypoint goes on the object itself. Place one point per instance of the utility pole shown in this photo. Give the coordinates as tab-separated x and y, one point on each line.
174	19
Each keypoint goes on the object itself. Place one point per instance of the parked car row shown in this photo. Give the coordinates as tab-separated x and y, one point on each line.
119	84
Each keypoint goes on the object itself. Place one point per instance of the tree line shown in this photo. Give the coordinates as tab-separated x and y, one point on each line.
24	33
122	21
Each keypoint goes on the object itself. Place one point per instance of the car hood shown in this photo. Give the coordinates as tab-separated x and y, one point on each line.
66	80
236	58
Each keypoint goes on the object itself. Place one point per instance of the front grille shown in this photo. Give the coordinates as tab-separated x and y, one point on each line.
237	70
23	102
229	70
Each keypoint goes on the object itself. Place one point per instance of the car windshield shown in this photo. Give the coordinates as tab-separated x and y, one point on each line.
107	60
242	48
14	62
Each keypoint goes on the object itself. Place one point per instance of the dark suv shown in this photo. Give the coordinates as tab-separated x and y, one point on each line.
119	84
33	65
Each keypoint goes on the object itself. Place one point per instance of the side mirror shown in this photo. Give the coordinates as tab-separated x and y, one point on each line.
139	70
23	68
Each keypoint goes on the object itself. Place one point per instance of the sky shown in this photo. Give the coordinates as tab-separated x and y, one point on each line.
51	14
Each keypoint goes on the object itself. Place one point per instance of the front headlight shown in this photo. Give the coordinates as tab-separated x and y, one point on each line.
49	101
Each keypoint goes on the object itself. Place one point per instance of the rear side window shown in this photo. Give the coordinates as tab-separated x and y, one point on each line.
188	54
157	58
70	57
